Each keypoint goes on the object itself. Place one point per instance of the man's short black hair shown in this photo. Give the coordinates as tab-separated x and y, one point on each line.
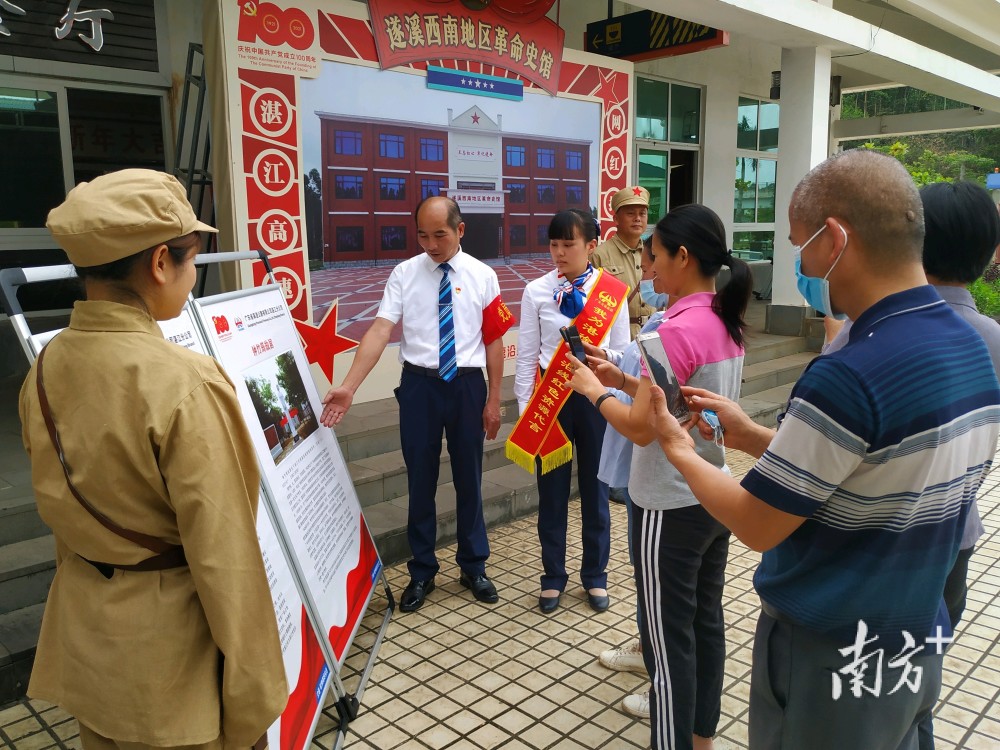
962	230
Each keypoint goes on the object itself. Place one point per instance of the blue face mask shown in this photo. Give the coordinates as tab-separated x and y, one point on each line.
651	297
817	291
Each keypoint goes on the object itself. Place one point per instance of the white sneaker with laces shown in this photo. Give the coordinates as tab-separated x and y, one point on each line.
625	658
636	705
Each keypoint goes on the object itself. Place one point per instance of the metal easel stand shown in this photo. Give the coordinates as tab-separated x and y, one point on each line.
348	705
11	279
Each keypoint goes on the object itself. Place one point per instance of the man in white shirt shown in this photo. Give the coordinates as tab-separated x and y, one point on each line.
453	326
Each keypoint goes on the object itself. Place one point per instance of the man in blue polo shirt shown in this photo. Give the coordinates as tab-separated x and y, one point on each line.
859	500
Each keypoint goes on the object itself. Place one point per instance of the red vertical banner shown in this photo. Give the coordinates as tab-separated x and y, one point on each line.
275	220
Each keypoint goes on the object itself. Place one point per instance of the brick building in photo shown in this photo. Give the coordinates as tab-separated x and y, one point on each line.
508	185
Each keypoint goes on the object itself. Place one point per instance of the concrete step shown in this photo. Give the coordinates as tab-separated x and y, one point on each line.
773	373
18	637
509	492
19	519
26	570
372	429
764	406
761	347
383	477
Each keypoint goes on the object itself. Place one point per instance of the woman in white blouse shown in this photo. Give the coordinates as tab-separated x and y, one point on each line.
548	304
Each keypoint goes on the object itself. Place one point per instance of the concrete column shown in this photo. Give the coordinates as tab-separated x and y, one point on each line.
803	142
721	95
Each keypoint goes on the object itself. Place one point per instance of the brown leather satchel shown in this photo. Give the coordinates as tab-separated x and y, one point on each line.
167	555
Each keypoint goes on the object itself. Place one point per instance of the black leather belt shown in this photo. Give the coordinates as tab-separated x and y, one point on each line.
432	372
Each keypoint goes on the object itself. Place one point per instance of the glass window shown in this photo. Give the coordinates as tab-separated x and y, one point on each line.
574	161
391	146
394	238
350	239
745	209
753	245
769	126
767	170
546	194
431	149
746	124
349	186
347	142
685	114
574	195
546	158
653	103
515	156
518	192
518	235
430	187
542	235
29	121
132	138
754	190
392	188
757	125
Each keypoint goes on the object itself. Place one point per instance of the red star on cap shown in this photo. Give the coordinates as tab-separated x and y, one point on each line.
637	190
322	343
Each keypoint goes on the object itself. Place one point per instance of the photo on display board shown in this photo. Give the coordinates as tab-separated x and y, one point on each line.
282	404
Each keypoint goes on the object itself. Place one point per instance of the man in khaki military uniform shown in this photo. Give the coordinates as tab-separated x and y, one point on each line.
621	255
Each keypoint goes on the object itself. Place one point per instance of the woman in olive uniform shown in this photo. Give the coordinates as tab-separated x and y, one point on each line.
159	629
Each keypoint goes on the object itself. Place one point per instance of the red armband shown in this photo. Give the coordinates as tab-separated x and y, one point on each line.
497	319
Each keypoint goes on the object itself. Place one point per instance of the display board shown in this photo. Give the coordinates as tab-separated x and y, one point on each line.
307	486
306	669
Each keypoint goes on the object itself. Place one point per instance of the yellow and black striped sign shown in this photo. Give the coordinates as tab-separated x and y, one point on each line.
644	35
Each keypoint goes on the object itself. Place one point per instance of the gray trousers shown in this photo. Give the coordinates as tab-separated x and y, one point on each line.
791	694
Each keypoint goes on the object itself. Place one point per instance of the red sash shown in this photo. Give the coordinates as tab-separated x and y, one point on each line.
537	432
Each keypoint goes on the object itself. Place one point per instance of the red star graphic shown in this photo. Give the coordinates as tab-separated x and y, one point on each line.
606	88
475	119
637	191
322	343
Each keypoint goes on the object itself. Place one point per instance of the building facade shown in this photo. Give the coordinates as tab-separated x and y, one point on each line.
508	185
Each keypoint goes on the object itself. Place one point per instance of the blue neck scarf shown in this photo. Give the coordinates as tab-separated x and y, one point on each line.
570	295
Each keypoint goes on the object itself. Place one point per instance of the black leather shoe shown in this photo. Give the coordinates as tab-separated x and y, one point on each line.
481	586
548	604
598	603
414	594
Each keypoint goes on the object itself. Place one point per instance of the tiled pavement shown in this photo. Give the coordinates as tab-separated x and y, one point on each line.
359	291
458	674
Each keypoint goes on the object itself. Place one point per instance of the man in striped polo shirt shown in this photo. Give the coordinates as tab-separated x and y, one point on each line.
859	499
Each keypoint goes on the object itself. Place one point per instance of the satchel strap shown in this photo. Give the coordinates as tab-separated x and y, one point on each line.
143	540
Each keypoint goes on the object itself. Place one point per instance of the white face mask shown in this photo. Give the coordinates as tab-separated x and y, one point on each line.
650	296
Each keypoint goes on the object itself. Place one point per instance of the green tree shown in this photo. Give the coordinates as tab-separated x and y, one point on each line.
265	403
290	382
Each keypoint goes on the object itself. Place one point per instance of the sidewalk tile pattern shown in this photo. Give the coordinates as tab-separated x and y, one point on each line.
462	675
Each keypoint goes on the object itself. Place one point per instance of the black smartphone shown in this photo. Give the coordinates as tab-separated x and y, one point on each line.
658	366
572	338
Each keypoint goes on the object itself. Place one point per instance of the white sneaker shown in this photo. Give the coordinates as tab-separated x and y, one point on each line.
636	705
625	658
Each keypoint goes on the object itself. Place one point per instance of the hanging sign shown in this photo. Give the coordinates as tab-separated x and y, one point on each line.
419	30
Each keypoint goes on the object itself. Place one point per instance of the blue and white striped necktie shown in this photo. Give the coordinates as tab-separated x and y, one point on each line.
447	358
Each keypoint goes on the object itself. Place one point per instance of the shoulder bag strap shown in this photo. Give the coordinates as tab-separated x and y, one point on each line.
143	540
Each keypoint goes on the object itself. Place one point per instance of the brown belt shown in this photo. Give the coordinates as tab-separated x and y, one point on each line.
638	320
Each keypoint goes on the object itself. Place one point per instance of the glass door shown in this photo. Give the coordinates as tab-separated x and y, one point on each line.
654	175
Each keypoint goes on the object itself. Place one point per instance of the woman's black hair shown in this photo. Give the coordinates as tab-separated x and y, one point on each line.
962	230
569	223
121	269
700	230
